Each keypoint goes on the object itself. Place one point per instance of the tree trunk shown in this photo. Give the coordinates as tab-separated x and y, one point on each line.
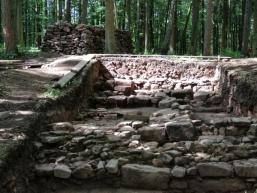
139	27
67	9
9	22
84	11
255	30
195	26
148	26
184	34
20	35
110	43
246	28
128	15
224	41
208	30
59	10
168	42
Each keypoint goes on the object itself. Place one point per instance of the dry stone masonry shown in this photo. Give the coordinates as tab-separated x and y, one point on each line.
70	39
153	124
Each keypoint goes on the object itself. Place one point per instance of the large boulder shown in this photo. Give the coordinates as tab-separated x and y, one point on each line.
178	131
146	177
215	169
246	168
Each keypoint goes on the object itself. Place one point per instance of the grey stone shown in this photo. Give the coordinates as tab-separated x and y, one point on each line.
167	102
112	166
241	121
84	171
208	140
135	137
246	168
137	124
178	131
65	126
152	133
174	153
120	101
182	93
178	172
146	155
192	171
252	130
201	95
184	107
44	169
144	176
53	139
215	169
178	184
62	171
165	158
217	185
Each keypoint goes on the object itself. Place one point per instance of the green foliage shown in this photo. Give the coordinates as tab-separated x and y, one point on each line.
231	53
23	52
52	92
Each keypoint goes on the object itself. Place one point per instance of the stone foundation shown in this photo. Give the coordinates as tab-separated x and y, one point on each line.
146	123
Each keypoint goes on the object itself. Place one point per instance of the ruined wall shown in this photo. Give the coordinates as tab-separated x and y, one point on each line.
238	88
80	39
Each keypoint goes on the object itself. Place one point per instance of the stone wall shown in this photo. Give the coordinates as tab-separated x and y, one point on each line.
16	155
80	39
238	88
170	149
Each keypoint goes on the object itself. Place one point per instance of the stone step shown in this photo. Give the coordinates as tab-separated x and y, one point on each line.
11	104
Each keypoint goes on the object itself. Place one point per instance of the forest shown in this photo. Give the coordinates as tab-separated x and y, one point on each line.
181	27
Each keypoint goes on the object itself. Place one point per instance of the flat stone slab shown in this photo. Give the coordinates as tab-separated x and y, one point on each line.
144	176
215	169
246	168
177	131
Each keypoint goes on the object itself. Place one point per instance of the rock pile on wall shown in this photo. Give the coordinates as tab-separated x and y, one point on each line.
80	39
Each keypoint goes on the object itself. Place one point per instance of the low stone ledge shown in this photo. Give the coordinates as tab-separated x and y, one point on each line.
144	176
215	169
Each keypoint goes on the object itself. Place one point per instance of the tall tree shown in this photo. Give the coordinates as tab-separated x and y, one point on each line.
246	28
20	35
148	26
110	43
225	17
195	25
255	30
83	18
128	15
59	10
9	22
67	9
208	30
168	44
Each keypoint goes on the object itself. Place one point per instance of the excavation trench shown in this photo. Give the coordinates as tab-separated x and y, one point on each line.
147	124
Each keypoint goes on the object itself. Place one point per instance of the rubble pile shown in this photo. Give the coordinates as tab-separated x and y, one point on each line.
66	38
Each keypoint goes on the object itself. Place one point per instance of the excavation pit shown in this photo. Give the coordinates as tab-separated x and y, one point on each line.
148	124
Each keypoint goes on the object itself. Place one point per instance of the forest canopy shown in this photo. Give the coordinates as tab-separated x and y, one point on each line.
182	27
